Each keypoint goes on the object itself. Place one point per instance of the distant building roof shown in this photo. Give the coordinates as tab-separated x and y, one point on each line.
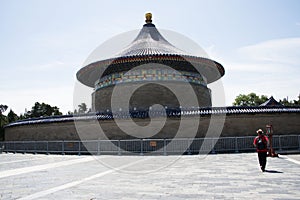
271	102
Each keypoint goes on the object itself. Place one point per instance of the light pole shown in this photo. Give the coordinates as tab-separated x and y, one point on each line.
269	131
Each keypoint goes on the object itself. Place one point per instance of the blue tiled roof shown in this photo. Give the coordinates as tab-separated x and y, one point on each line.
148	46
150	42
271	102
169	112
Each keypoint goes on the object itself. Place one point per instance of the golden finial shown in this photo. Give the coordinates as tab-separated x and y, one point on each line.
148	18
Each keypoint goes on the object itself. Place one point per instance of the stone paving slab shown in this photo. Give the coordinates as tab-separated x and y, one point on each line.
220	176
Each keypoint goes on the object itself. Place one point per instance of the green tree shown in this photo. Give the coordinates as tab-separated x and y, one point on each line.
3	120
70	113
12	116
42	110
297	102
21	117
82	108
249	100
3	108
286	102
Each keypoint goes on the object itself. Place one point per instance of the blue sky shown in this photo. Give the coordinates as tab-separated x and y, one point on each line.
44	43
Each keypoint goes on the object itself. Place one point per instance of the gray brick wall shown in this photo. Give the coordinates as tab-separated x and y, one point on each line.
235	125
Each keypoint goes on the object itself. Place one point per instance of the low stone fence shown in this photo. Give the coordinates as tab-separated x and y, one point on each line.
150	146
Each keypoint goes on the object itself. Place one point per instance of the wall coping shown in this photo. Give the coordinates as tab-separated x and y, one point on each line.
170	112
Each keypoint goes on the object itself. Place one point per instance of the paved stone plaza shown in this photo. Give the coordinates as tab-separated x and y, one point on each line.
220	176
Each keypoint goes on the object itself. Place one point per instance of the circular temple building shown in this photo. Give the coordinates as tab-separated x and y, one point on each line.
149	63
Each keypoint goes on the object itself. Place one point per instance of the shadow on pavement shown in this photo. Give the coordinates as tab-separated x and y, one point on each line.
273	171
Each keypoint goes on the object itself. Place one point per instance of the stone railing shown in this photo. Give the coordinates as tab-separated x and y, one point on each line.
150	146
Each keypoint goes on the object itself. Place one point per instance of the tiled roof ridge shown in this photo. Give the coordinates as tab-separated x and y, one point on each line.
170	113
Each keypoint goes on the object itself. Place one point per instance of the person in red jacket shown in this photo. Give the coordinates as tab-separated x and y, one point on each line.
261	143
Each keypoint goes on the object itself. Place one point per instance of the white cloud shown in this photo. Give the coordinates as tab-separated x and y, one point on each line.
252	66
52	66
285	51
21	98
267	68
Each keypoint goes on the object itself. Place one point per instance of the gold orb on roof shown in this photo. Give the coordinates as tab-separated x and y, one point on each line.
148	18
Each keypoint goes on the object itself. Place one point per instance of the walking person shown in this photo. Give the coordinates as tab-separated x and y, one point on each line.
261	143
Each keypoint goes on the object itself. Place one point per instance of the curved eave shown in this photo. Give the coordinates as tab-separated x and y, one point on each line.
211	69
